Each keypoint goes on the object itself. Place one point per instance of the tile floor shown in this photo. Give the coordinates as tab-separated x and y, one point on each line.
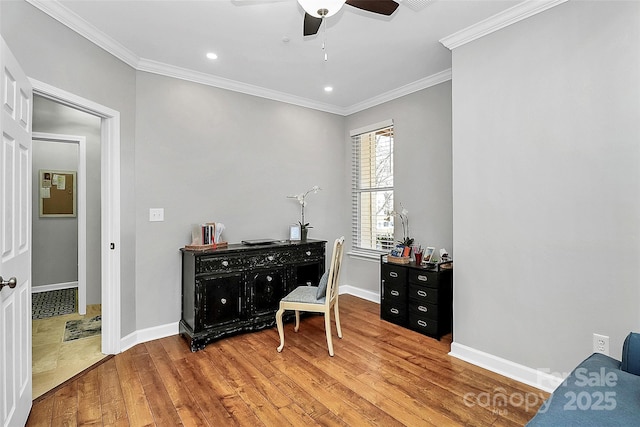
55	361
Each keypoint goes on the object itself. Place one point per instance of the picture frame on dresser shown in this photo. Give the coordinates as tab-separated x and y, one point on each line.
426	256
295	233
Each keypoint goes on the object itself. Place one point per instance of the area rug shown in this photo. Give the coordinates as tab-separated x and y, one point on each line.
53	303
76	329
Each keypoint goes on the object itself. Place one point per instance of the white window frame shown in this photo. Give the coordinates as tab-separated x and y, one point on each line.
356	250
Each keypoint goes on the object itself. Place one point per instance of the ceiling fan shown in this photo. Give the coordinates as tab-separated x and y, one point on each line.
317	10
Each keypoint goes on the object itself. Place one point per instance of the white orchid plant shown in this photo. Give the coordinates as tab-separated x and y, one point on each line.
302	199
404	219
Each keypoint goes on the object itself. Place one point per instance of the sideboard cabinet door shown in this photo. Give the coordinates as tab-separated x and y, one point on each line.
220	299
267	288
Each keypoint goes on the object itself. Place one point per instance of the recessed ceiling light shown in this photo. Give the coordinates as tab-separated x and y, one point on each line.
328	89
212	55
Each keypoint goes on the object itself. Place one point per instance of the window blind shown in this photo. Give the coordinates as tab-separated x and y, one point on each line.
372	189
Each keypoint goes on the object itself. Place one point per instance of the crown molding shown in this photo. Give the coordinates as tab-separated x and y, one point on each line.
498	21
424	83
70	19
163	69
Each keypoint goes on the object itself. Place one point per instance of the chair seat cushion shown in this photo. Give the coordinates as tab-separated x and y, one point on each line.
305	294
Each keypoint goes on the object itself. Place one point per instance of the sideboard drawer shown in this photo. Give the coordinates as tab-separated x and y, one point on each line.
220	264
423	293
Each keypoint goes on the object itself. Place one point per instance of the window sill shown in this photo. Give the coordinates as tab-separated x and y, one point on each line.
366	256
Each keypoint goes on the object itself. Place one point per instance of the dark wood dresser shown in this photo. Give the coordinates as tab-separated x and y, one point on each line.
238	289
419	298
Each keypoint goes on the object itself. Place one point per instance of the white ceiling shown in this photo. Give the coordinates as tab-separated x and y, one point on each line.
368	55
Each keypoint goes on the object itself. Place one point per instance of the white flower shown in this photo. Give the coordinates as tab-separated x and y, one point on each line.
301	198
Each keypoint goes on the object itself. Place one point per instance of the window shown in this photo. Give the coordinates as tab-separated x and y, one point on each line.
372	188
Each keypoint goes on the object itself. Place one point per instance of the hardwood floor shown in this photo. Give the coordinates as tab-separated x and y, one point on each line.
381	375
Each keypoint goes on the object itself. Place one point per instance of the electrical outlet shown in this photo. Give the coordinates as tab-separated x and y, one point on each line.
156	214
601	344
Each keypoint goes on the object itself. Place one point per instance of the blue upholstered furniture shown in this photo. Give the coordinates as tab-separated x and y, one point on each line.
601	391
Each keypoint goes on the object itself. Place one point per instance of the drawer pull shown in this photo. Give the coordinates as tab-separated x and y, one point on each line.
225	263
395	293
223	300
270	258
308	253
393	274
422	293
394	311
422	277
422	308
422	323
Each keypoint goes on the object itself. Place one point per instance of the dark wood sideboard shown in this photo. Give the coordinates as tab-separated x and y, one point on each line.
417	297
227	291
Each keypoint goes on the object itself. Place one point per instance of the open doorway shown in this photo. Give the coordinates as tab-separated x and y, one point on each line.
109	224
66	258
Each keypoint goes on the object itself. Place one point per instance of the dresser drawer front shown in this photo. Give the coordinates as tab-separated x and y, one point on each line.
423	309
395	313
423	293
394	291
423	324
425	278
393	274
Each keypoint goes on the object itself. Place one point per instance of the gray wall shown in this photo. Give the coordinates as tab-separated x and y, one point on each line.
51	53
422	172
546	168
55	238
207	154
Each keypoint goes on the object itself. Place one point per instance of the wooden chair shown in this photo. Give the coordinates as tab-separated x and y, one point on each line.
316	299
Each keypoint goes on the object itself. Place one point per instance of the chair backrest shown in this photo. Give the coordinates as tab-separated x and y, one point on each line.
334	271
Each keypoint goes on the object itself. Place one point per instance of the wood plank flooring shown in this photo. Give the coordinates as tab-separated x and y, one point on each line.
381	375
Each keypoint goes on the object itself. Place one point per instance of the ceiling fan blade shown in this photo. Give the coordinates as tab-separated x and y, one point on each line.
311	25
383	7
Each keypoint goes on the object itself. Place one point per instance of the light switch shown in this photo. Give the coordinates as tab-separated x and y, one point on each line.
156	214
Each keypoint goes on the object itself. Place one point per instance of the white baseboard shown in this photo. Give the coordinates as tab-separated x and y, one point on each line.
533	377
162	331
361	293
148	334
53	287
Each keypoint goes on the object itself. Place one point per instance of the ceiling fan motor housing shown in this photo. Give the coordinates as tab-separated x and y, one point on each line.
321	8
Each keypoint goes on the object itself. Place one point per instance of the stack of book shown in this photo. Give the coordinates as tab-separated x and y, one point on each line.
206	236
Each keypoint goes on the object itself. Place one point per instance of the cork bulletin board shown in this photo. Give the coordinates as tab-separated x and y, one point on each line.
57	193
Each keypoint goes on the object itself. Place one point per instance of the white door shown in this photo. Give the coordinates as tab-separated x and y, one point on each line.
15	241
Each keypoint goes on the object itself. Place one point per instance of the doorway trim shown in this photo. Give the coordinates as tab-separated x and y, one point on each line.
82	207
110	206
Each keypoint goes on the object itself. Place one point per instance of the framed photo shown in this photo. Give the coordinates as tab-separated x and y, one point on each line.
426	257
294	232
398	250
